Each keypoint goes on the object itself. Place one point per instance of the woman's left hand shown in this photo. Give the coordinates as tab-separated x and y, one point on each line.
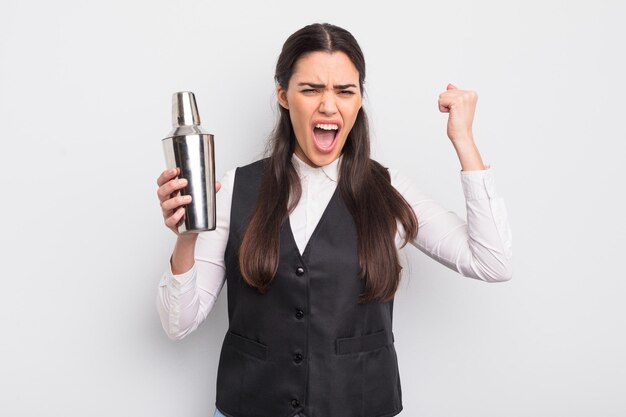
461	104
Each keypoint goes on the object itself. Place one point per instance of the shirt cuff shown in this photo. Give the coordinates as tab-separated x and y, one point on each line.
479	184
179	281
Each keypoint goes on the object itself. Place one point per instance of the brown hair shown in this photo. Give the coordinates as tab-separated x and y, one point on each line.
364	184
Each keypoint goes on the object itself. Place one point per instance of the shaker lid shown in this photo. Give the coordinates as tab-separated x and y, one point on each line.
185	116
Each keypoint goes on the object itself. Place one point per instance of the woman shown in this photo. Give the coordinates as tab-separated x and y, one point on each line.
308	241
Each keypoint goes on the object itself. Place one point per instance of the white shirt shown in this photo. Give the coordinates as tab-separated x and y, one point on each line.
478	248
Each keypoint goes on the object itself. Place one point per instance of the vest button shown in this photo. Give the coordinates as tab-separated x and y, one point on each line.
299	271
299	314
297	358
295	403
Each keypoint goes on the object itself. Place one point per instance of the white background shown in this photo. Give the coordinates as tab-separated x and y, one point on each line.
85	96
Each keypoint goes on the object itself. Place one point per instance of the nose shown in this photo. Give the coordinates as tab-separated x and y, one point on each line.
327	104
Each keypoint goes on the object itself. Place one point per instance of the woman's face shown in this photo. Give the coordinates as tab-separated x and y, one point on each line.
323	98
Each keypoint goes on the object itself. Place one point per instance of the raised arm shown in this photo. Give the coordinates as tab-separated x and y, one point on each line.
481	246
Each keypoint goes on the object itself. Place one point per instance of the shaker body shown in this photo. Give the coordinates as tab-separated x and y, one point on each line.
194	155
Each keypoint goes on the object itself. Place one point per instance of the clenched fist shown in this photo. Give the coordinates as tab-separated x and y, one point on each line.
461	105
172	203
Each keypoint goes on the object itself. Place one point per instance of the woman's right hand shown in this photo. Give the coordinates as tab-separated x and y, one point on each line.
172	205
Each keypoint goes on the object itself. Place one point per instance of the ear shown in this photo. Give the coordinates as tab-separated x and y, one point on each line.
281	95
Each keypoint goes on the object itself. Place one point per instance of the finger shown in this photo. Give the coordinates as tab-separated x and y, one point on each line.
218	186
173	220
444	102
166	190
167	175
451	87
175	202
447	97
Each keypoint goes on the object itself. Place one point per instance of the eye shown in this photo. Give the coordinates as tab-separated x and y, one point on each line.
309	91
347	93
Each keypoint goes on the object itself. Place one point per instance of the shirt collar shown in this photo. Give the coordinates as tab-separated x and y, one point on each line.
331	170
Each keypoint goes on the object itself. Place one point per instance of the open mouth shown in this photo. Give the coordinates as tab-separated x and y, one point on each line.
324	135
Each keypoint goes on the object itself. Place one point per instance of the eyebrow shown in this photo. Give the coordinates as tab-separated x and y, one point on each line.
336	86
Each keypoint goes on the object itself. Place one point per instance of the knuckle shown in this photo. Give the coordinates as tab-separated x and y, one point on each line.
163	192
172	220
162	179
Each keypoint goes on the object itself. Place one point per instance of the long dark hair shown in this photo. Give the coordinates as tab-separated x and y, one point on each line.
364	184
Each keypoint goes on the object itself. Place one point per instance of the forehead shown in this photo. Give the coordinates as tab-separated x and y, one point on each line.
325	67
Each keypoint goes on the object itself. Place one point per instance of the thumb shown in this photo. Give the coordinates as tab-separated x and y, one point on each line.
451	87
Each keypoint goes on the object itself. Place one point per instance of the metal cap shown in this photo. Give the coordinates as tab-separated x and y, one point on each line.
185	116
184	109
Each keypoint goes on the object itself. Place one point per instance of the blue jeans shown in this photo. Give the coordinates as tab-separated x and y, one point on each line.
219	414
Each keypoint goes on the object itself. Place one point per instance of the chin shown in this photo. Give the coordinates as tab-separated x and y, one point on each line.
323	159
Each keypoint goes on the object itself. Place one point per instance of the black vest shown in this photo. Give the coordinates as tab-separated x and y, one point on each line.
305	346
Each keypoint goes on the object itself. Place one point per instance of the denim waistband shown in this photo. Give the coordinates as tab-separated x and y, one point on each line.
218	413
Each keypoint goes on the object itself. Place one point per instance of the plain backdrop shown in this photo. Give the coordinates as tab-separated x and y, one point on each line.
85	98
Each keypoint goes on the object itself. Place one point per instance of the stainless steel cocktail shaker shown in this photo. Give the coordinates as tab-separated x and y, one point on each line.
189	147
